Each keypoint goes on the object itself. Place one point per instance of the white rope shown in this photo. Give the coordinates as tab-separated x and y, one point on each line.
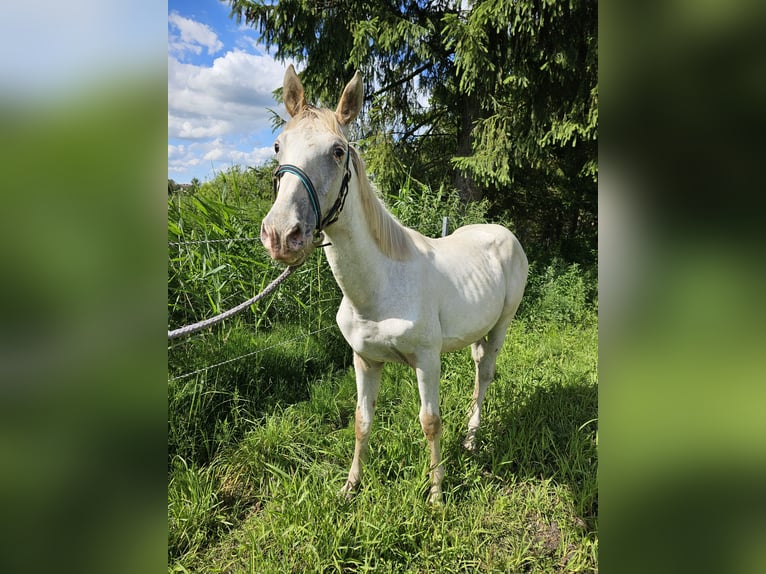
227	361
193	328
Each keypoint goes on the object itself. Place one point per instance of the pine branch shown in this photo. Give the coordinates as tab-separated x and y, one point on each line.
399	82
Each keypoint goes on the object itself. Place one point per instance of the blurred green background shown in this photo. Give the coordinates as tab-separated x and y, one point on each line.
83	254
682	368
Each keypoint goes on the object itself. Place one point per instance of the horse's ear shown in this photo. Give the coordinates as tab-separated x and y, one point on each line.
292	92
351	101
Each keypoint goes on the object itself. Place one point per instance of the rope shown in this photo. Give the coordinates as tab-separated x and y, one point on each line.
227	361
189	329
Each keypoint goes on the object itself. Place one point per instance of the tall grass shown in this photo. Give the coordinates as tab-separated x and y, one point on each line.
418	206
259	447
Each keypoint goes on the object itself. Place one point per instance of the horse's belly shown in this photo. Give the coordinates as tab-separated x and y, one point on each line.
387	340
461	342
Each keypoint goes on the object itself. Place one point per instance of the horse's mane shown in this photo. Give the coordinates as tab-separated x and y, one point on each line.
394	239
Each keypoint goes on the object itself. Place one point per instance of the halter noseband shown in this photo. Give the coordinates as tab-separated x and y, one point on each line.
337	207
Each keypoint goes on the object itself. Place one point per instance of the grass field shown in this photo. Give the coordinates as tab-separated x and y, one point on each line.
260	446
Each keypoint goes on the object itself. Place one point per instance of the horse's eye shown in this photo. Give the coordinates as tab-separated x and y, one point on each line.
276	147
339	152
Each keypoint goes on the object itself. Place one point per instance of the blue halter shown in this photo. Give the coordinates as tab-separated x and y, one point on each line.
334	213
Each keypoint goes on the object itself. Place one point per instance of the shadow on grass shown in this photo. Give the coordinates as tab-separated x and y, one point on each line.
217	407
549	433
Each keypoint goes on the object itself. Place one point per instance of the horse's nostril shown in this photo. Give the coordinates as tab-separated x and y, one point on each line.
266	232
295	238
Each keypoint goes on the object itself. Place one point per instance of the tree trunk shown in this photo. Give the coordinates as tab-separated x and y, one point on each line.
464	182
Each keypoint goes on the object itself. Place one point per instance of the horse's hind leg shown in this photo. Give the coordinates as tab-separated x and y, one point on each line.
484	353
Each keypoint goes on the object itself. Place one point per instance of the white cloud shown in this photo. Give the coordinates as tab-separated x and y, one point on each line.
194	36
260	155
212	156
180	127
219	111
230	97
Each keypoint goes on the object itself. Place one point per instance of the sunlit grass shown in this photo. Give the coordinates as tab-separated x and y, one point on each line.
527	501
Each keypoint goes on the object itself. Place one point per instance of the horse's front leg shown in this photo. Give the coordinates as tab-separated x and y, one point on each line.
428	371
367	386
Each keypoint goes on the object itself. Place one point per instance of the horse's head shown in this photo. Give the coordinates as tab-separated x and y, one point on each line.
313	173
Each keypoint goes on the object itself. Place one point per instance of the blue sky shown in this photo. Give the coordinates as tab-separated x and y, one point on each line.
62	49
220	83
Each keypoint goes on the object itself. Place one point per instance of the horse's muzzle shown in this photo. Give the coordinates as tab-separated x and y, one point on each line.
290	246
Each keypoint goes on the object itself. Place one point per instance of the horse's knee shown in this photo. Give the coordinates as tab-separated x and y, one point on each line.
361	426
487	371
432	426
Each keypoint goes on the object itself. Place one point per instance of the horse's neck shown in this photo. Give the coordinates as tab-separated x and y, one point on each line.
356	261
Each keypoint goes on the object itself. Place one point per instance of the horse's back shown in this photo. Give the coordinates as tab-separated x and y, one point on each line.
500	242
482	272
485	236
486	245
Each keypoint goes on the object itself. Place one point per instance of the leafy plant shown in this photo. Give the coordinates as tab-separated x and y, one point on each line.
416	205
560	293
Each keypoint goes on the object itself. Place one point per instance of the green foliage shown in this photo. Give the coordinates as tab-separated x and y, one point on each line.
511	89
417	206
528	500
203	277
259	445
561	294
207	278
536	75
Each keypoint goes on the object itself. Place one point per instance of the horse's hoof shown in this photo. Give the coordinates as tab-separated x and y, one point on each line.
348	492
347	495
436	498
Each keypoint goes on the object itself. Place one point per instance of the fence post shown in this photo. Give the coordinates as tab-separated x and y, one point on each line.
445	226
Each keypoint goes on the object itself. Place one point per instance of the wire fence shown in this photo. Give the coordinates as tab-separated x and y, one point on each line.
250	354
178	342
205	241
445	231
190	329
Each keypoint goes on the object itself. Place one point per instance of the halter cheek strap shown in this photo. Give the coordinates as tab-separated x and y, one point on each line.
337	207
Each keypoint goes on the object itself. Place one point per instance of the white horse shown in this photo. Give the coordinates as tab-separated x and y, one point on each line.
406	298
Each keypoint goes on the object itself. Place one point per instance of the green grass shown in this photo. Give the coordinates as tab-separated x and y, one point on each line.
260	446
267	501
